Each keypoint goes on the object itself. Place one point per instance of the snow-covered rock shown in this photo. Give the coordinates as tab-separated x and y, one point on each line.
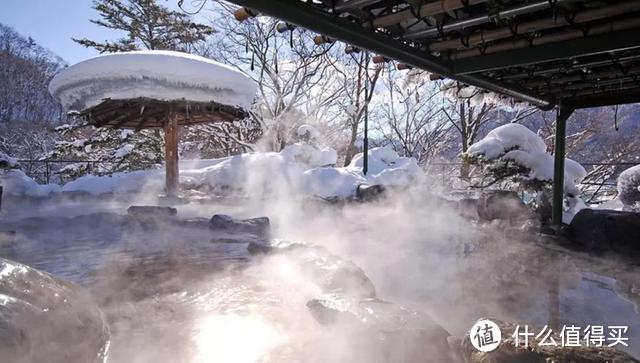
161	75
36	307
629	187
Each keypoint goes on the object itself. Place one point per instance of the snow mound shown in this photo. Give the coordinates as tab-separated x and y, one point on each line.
161	75
386	167
15	182
505	138
310	155
629	187
123	182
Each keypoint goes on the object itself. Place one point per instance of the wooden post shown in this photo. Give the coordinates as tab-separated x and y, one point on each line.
558	170
171	154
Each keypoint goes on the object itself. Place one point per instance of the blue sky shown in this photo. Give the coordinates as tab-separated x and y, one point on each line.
52	23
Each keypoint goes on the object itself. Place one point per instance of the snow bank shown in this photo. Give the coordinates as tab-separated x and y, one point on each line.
123	182
298	168
162	75
629	187
15	182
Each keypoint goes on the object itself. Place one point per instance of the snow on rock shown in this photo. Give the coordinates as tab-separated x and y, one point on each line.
161	75
15	182
386	167
629	187
331	182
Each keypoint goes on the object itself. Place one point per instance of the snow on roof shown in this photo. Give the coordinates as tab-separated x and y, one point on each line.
161	75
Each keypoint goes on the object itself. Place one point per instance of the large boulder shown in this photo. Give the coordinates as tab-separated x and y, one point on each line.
256	226
607	230
149	211
370	193
331	273
387	332
46	319
503	205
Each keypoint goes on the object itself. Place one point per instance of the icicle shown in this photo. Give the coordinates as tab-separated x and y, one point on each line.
246	45
275	61
615	118
291	39
253	56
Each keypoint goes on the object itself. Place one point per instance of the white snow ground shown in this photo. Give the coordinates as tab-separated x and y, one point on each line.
299	167
161	75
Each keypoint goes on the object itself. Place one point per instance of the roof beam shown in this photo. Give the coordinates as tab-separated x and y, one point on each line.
597	44
607	99
313	18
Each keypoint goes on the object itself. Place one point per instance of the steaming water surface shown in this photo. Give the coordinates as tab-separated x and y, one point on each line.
171	294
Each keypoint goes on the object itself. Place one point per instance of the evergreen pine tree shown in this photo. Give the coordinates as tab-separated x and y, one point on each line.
148	25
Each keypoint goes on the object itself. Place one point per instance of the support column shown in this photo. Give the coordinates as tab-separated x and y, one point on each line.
171	155
558	166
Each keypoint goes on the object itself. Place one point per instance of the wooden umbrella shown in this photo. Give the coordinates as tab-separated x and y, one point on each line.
147	113
154	89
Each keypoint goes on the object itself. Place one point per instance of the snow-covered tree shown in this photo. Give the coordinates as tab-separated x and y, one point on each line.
409	117
116	150
147	25
514	154
27	112
295	81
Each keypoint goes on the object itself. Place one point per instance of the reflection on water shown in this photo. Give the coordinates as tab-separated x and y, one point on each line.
234	338
170	294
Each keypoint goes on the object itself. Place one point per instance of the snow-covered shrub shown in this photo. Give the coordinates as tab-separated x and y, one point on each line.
513	152
119	150
629	188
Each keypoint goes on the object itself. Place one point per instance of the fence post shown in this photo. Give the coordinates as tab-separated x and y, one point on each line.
46	170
